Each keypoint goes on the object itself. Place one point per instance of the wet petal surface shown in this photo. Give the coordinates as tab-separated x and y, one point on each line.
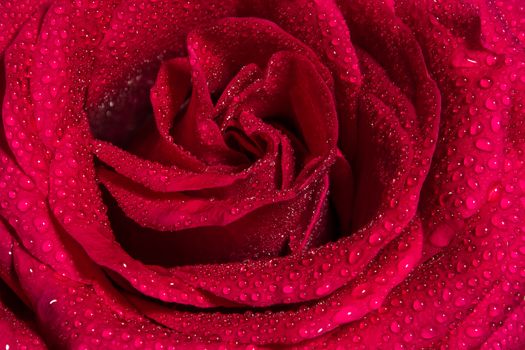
245	174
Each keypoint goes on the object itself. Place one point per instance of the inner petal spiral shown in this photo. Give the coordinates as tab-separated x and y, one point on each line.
253	139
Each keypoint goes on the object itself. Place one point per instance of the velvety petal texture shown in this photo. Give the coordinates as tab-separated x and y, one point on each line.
309	174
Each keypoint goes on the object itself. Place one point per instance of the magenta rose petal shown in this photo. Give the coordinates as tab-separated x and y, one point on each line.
478	131
246	76
262	173
16	332
59	68
510	334
88	223
17	112
172	87
26	211
475	295
177	96
159	177
477	325
160	30
7	273
14	15
355	251
502	23
324	30
354	301
75	315
6	246
196	131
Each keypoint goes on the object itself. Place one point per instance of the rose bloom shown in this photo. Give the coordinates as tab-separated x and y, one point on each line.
252	174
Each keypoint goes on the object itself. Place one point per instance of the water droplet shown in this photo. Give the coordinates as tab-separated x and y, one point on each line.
504	203
47	246
354	256
107	333
491	60
471	203
395	327
485	83
23	205
417	305
41	224
347	314
375	239
484	145
491	104
428	333
474	332
324	289
288	289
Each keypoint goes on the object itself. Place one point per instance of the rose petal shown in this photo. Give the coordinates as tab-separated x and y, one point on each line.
17	110
79	316
59	68
14	15
354	252
79	209
510	334
121	78
324	30
460	296
457	299
7	273
348	303
26	211
480	105
17	330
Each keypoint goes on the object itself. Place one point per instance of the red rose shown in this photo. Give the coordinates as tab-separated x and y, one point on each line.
245	174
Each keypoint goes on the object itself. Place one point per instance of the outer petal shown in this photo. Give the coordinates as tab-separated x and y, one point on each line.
77	316
78	207
16	331
14	14
462	295
62	59
19	122
349	303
